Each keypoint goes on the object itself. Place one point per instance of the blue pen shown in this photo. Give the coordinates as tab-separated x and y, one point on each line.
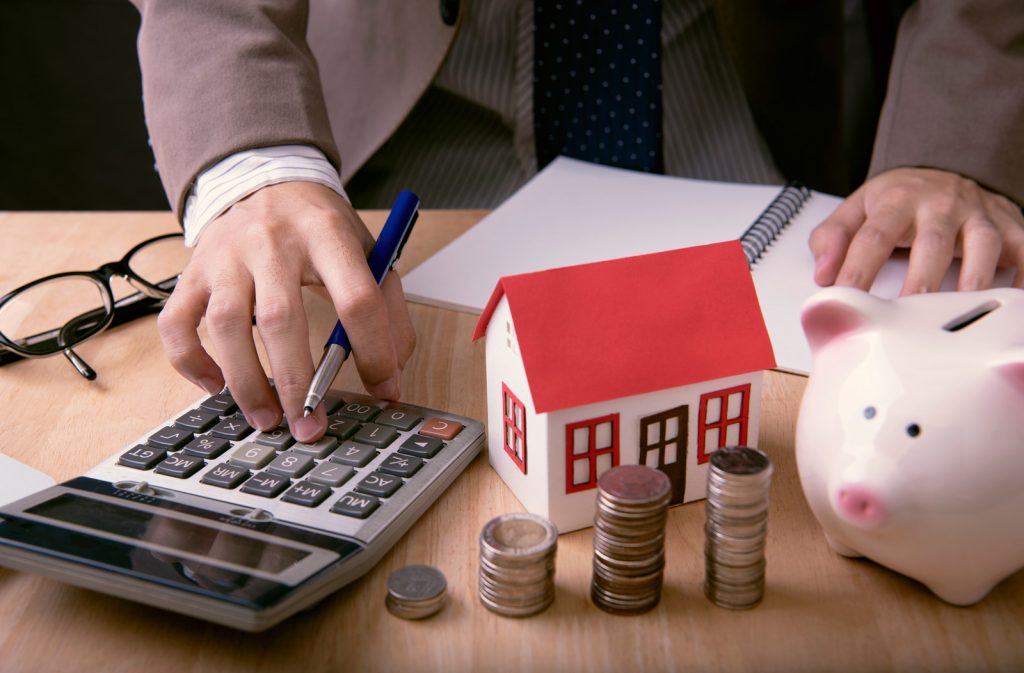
382	258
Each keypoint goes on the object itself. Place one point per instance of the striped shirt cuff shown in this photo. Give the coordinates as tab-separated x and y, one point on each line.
232	179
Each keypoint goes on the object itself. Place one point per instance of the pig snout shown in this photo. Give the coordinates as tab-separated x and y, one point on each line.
860	506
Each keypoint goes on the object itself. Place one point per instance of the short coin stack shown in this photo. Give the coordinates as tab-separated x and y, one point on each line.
517	564
737	523
416	592
629	539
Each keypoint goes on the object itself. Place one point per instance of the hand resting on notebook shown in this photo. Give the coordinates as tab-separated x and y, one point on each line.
939	215
254	260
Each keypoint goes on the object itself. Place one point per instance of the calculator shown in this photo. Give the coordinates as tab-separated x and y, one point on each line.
208	517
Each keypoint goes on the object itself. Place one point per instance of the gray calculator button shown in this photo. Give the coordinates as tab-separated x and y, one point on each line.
171	439
307	494
332	402
279	438
142	457
222	404
341	427
375	435
317	449
266	484
197	420
398	418
225	476
291	464
418	445
180	465
354	504
350	453
379	484
400	465
232	427
207	446
330	474
251	455
359	411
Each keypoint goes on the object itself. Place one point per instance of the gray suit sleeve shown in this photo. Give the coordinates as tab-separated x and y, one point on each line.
220	77
956	93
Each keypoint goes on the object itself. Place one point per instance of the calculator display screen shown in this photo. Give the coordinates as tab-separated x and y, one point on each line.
170	532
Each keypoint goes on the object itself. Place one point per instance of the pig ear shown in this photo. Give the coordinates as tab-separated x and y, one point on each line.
835	312
1011	368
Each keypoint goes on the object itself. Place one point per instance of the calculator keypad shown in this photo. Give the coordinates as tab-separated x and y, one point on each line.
367	454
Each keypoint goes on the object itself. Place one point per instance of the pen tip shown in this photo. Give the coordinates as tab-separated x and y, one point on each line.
306	411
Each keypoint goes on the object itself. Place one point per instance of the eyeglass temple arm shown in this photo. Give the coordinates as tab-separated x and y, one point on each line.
80	365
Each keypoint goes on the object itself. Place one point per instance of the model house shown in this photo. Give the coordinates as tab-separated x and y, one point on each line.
655	359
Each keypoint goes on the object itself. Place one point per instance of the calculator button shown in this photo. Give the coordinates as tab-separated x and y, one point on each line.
291	464
180	465
225	476
266	484
375	435
398	418
424	447
232	427
401	466
359	411
379	484
251	455
142	457
197	420
354	504
350	453
171	439
279	438
332	402
306	494
341	427
440	428
222	404
317	449
207	447
330	474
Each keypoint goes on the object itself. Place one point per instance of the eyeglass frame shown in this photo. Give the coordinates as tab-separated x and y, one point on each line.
149	298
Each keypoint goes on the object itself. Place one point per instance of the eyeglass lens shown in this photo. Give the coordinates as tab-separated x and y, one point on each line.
55	314
160	260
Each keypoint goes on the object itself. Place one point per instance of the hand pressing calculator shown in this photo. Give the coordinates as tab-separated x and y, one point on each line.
209	518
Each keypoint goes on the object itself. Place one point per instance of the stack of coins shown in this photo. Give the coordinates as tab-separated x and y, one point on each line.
416	592
737	523
629	539
517	564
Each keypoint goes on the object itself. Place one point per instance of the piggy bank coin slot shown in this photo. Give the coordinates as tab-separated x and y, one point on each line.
971	317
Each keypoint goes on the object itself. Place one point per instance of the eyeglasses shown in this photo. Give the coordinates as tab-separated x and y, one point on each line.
55	313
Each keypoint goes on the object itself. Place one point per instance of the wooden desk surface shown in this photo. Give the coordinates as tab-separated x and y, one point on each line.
821	612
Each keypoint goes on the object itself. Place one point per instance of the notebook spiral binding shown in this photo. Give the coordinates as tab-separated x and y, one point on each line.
769	224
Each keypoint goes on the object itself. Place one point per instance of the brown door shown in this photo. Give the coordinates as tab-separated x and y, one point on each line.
663	440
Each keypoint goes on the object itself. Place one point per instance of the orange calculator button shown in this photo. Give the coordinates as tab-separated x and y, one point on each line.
440	428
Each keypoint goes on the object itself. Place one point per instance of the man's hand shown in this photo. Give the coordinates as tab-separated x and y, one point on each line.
254	260
937	214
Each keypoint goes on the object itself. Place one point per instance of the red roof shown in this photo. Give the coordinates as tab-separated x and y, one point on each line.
606	330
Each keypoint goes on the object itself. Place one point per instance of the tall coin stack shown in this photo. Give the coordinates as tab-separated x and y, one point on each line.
629	539
517	564
737	523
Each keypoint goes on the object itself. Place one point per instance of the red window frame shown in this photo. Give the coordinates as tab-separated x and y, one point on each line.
592	451
509	405
723	422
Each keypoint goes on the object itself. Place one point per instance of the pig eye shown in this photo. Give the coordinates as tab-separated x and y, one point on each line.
869	412
913	429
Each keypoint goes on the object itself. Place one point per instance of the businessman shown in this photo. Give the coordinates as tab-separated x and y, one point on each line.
242	98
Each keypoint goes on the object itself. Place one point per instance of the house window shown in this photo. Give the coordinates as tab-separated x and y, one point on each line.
591	448
514	421
722	420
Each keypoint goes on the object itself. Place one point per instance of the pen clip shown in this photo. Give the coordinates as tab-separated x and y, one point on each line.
405	237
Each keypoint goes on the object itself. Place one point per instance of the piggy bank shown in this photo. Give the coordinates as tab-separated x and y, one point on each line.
910	438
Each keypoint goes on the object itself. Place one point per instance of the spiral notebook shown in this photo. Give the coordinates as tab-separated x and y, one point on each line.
574	212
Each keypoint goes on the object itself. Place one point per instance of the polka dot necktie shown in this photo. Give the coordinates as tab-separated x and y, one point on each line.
597	82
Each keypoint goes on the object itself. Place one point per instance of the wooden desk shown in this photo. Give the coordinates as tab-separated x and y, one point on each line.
821	612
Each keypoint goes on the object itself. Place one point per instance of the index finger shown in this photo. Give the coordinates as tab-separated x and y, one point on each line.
872	246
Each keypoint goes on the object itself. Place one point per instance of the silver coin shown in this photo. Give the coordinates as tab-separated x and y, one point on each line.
416	583
514	611
519	535
422	611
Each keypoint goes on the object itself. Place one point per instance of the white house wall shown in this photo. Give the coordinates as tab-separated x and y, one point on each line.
571	511
505	365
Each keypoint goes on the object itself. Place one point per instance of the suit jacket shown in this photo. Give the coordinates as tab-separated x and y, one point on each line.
223	76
